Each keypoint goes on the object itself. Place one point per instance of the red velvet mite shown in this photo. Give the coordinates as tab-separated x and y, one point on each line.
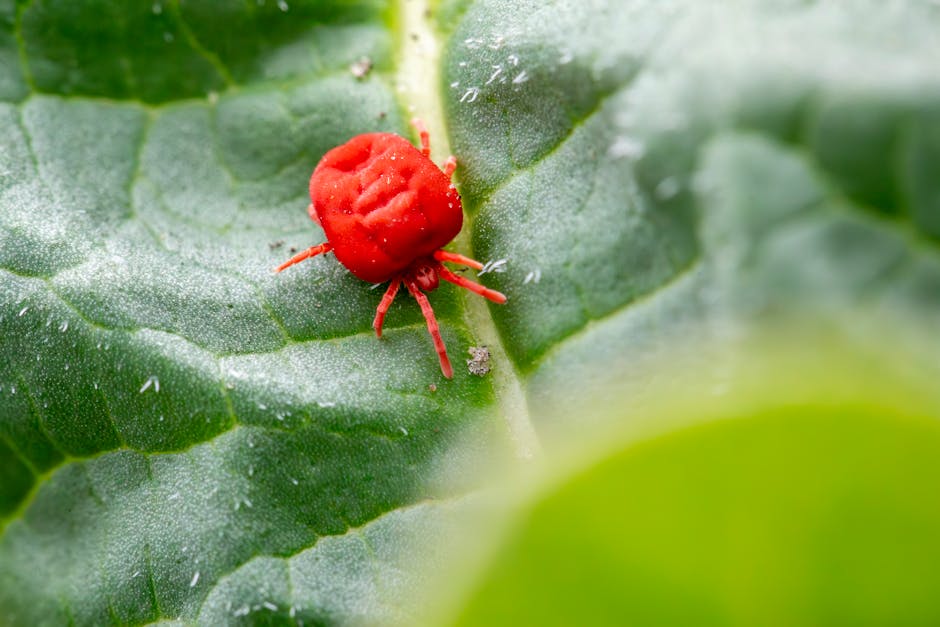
387	211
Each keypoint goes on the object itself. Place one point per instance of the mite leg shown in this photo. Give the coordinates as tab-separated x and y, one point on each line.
418	123
449	166
313	213
443	255
313	251
476	288
385	303
433	329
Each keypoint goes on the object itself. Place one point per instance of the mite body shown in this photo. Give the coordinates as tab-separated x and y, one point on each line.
387	211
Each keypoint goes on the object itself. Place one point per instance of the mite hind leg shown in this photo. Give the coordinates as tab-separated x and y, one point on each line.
433	327
384	304
476	288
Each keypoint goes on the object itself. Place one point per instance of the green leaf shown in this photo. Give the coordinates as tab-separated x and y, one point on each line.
184	434
170	410
675	169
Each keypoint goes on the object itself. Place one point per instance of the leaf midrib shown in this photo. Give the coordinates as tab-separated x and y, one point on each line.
419	54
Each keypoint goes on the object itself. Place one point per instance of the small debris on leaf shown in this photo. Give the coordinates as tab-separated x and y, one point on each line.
479	362
275	245
361	68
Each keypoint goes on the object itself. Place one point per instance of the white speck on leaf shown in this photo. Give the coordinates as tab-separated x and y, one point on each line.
533	277
153	381
497	70
520	78
22	311
626	147
470	95
499	265
195	580
270	606
64	326
667	188
282	5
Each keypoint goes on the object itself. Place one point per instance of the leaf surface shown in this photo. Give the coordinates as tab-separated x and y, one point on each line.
184	434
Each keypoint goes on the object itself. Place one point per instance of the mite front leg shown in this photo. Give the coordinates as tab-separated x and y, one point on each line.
313	251
443	255
449	166
313	214
418	123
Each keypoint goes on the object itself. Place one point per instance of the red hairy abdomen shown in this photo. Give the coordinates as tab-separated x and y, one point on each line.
382	204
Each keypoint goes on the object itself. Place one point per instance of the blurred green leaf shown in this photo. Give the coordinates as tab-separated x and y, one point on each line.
185	435
798	516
